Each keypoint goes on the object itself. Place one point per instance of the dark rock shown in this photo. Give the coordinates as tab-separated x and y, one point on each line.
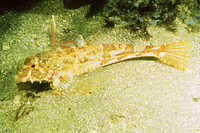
74	4
15	5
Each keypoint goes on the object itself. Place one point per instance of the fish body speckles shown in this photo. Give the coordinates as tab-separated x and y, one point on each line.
59	66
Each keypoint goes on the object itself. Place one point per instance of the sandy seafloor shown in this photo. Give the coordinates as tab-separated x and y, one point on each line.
130	96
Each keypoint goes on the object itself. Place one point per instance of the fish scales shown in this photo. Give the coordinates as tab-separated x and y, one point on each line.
74	61
58	66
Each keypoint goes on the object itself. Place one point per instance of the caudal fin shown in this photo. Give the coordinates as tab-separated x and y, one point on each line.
176	54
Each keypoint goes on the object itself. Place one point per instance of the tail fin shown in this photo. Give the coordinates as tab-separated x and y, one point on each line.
176	54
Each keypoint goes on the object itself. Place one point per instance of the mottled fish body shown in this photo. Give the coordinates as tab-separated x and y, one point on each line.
58	66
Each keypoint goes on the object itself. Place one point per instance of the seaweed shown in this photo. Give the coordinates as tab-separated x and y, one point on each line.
26	106
140	14
28	96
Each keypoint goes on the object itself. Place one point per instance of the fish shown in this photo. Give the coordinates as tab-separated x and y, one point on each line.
58	66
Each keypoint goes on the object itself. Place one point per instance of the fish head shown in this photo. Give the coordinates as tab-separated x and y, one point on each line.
31	70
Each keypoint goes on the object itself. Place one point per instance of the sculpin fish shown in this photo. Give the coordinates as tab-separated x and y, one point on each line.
58	66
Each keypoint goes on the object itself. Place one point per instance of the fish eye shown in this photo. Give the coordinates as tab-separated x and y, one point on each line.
33	66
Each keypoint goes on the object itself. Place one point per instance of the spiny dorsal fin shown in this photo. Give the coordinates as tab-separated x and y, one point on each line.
59	41
53	32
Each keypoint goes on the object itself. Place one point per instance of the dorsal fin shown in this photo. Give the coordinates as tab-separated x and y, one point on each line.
53	32
59	41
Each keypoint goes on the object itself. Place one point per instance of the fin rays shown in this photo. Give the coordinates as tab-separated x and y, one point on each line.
176	54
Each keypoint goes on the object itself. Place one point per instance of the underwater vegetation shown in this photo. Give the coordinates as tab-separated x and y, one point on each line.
139	14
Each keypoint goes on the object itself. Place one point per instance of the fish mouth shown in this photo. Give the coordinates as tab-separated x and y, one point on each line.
21	78
28	84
